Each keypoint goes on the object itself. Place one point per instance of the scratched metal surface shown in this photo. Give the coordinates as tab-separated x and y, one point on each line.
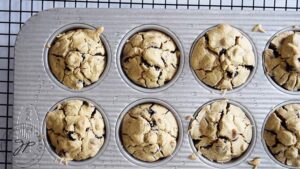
35	92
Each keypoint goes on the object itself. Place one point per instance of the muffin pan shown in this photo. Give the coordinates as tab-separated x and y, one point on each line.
36	90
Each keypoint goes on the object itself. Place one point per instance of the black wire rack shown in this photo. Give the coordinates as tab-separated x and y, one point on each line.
14	13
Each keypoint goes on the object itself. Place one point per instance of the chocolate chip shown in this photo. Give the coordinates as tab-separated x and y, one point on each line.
157	68
274	49
249	67
298	59
98	137
152	123
93	113
69	134
276	53
234	133
126	59
87	129
289	68
229	74
223	51
145	62
206	37
151	112
85	103
68	69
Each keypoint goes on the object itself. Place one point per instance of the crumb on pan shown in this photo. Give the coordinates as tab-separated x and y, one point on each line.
188	117
255	162
40	137
193	156
258	28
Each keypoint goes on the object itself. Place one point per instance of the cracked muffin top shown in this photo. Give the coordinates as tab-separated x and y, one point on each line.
75	129
77	58
221	132
149	132
150	59
223	58
282	134
282	60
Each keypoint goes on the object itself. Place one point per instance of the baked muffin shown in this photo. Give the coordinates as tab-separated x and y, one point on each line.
149	132
77	57
221	132
150	59
282	134
282	60
75	130
223	58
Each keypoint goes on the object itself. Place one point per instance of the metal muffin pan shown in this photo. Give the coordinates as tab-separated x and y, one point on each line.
36	89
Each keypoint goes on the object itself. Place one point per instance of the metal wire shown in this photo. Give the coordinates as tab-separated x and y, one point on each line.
16	12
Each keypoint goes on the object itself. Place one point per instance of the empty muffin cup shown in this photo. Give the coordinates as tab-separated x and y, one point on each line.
149	132
150	58
76	131
281	134
222	133
223	58
77	56
281	60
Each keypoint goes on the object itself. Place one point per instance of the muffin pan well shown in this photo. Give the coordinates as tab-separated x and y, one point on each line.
36	90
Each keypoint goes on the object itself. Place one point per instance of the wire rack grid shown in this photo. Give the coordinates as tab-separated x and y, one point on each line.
14	13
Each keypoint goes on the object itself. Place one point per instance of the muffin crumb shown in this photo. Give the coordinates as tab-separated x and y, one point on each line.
193	156
189	117
41	137
255	162
258	28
